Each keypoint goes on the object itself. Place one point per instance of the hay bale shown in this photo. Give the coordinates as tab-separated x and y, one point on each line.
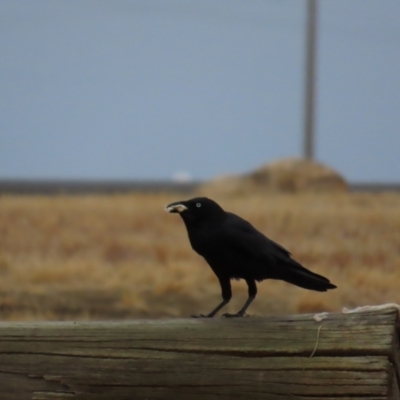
290	175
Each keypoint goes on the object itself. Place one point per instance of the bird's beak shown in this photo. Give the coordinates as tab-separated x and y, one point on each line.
175	208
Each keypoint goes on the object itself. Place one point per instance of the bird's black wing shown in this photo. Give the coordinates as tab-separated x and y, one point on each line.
273	260
244	236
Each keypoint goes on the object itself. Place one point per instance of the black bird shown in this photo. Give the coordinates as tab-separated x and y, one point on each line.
234	249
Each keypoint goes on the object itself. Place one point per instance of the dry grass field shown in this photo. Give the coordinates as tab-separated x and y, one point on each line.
122	256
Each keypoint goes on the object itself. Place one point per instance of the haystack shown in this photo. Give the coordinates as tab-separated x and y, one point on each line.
290	175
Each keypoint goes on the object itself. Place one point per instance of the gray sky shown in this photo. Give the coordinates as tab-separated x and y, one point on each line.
143	89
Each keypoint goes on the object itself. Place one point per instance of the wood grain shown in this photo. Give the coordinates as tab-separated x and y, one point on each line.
356	357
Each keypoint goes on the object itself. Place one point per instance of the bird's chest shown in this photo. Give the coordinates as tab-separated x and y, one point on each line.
205	241
221	256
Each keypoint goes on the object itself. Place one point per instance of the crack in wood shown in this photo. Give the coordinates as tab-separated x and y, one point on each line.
227	353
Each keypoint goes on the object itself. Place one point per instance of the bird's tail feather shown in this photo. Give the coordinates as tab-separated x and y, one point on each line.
296	274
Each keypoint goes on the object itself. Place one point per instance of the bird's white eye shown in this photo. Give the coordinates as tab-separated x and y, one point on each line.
198	205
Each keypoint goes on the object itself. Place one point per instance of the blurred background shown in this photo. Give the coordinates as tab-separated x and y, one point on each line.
157	98
153	89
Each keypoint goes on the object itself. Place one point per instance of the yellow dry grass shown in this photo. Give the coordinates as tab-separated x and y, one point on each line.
122	256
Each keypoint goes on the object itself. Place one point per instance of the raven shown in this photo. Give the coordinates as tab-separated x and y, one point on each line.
234	249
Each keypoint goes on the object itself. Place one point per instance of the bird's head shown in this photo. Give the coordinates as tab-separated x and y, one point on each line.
198	209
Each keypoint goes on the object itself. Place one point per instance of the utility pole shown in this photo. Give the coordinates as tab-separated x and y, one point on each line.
309	109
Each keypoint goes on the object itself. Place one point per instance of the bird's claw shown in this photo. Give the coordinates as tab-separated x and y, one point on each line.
237	315
200	316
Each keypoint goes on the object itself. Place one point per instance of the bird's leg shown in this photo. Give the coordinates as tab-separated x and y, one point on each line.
213	312
252	295
226	295
242	312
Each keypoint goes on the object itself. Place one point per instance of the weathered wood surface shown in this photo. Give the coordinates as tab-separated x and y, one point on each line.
356	357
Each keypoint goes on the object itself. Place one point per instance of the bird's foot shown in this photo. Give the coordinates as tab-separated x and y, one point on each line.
201	316
237	315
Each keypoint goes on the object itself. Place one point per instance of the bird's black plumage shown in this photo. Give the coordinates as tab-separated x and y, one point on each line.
234	249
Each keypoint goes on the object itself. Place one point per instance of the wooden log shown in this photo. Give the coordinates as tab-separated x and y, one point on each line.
354	356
